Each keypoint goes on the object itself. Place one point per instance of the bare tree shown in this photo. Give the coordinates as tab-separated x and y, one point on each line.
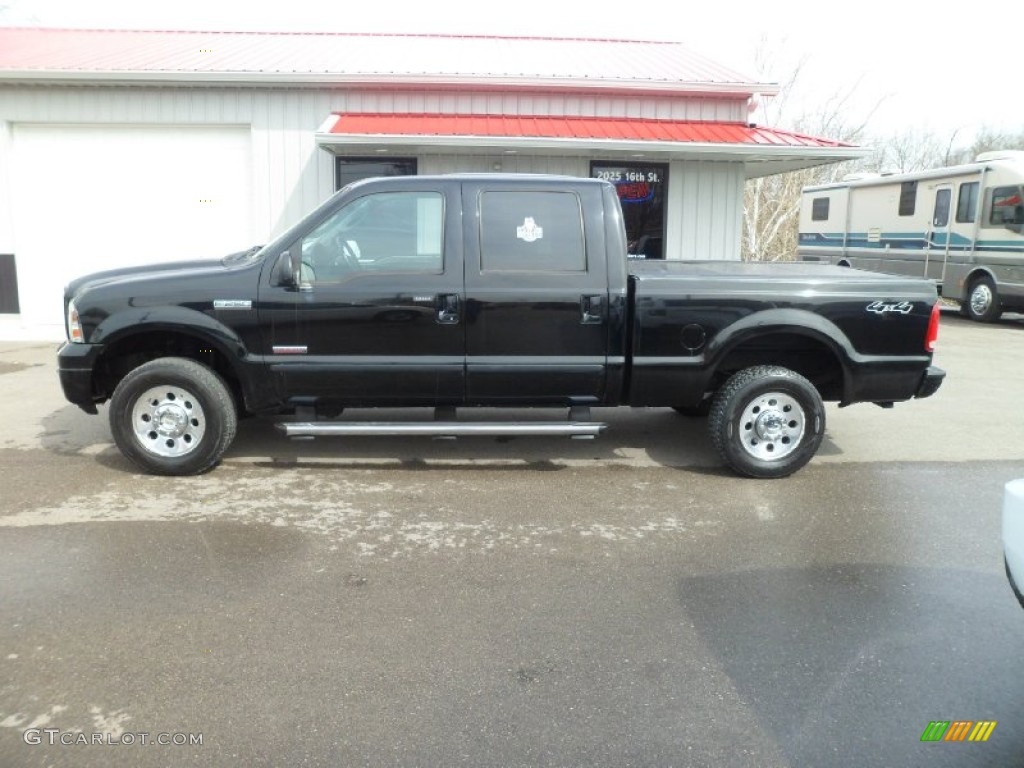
988	139
772	203
911	150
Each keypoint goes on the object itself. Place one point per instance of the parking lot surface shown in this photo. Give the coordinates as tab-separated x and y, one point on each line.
529	602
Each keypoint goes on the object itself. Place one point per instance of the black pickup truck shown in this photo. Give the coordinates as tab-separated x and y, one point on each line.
485	291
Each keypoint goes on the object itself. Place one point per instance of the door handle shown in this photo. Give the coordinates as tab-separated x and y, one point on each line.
448	309
591	310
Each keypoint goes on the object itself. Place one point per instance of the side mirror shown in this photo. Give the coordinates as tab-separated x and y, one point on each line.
284	271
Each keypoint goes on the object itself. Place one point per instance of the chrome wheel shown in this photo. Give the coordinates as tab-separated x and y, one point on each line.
767	421
981	299
772	426
168	421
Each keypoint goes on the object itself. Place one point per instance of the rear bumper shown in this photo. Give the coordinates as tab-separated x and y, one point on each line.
75	364
930	382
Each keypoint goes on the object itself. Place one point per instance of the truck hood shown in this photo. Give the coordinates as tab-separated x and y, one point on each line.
149	273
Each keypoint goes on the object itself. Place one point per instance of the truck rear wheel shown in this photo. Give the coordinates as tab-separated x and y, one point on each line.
983	302
767	421
173	416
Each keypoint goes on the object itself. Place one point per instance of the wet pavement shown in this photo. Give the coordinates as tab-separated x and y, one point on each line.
622	602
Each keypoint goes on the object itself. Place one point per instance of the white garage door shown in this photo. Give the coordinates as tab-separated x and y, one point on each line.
88	198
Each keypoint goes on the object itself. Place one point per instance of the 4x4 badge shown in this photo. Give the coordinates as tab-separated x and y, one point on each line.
885	307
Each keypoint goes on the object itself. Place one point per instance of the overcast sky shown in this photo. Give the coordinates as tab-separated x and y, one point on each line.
908	65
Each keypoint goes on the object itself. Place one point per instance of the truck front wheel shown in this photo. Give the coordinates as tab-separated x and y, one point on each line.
767	421
173	416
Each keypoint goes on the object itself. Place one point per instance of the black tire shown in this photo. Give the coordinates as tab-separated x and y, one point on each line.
767	421
983	302
173	416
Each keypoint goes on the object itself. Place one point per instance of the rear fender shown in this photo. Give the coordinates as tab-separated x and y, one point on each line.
787	322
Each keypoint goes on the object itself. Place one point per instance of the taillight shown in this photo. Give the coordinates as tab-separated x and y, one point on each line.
933	330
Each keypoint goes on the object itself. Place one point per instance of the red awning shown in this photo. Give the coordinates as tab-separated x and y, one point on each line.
579	128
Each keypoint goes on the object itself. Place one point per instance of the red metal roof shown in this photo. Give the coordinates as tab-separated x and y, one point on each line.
544	126
42	53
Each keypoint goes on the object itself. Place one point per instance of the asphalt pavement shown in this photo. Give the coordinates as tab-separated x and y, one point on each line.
527	602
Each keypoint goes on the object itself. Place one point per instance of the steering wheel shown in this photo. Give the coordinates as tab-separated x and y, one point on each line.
348	256
342	255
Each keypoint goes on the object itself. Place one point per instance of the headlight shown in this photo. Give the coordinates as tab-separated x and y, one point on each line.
74	327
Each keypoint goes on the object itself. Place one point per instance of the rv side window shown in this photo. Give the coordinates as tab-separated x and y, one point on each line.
819	209
1007	207
908	198
942	199
967	203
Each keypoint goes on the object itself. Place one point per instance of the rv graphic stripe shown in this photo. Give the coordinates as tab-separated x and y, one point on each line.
908	241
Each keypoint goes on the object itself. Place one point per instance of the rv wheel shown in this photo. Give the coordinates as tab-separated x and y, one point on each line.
983	302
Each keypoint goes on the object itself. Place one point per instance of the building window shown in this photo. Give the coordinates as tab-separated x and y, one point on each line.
967	203
908	198
942	200
642	189
531	232
349	169
819	209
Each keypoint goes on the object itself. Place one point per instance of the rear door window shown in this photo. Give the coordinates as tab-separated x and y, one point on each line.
531	232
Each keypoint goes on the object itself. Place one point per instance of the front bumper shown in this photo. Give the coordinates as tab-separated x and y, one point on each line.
1013	535
930	382
75	365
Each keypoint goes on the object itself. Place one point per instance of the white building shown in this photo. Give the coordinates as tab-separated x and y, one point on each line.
123	147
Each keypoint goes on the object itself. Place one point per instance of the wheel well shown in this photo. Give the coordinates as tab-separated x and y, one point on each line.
126	354
975	276
811	358
844	263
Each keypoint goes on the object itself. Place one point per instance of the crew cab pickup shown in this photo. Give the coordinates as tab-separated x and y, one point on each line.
468	291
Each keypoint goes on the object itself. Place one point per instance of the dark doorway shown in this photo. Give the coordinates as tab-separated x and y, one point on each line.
8	285
349	169
642	188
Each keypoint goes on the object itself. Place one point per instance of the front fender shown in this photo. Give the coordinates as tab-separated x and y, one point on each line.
189	322
258	391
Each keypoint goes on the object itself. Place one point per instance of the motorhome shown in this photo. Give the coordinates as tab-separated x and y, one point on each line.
961	226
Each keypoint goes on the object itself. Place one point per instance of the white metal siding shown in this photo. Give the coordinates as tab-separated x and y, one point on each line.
563	166
585	105
6	192
291	176
705	210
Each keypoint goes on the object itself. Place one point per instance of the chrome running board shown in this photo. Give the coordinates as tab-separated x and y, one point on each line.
578	430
